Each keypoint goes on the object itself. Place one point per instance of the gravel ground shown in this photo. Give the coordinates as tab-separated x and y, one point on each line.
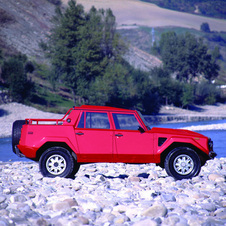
14	111
112	194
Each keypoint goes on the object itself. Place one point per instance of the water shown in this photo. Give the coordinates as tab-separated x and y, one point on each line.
6	151
187	124
218	137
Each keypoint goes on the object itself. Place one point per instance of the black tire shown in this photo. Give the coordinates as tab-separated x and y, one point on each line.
56	162
75	170
16	133
182	163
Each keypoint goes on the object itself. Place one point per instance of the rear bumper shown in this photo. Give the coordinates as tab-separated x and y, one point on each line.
17	152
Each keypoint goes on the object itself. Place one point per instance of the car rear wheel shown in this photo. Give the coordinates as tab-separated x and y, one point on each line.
182	163
16	133
56	162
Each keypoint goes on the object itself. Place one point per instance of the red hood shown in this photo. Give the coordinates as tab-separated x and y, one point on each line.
175	132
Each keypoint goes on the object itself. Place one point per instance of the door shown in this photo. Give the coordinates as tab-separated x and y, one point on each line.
132	145
95	137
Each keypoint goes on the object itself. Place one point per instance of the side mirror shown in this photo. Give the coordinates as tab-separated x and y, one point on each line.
141	129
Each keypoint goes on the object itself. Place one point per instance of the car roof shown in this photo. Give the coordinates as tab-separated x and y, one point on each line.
103	108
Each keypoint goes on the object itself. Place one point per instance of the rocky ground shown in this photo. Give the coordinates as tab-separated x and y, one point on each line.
112	194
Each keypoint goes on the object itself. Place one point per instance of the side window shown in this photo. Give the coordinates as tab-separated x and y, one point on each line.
125	121
97	120
94	120
81	122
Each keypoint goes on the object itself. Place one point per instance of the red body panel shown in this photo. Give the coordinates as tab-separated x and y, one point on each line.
134	147
95	145
113	144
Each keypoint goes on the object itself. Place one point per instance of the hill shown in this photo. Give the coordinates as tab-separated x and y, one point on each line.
25	22
134	12
28	22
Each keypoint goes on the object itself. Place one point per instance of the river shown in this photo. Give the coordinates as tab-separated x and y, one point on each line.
218	137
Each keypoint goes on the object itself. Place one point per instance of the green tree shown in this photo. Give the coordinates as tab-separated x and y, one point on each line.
81	46
146	96
169	50
20	88
187	56
206	93
187	97
216	53
168	88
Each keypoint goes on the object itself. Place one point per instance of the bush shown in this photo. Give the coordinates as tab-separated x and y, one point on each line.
13	73
206	93
205	27
55	2
5	17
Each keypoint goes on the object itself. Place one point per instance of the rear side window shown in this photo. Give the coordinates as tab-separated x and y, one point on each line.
94	120
125	121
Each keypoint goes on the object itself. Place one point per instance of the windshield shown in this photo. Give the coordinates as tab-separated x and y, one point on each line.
143	119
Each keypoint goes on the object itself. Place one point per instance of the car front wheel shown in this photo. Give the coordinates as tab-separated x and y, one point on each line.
56	162
182	163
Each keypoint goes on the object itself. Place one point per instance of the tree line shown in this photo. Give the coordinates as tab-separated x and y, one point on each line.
211	8
86	55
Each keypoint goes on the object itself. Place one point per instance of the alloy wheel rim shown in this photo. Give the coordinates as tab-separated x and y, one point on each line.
183	164
56	164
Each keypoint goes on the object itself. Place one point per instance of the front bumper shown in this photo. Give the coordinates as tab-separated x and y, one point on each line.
212	154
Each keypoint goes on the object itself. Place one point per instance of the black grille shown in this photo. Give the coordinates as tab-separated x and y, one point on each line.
161	141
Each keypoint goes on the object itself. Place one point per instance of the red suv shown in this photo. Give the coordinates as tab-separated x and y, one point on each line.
89	134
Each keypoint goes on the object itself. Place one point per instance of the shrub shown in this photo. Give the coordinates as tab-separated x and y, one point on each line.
55	2
5	17
13	73
206	93
205	27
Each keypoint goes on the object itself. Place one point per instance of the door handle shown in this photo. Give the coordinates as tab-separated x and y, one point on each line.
79	133
118	135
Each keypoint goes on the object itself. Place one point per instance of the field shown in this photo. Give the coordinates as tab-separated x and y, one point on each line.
133	12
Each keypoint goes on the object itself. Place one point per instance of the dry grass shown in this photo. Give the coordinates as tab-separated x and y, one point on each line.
134	12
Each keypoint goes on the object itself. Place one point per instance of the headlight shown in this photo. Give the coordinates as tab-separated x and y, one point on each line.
210	144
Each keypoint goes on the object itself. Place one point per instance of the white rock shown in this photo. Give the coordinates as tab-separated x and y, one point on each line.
157	210
92	206
146	222
216	177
